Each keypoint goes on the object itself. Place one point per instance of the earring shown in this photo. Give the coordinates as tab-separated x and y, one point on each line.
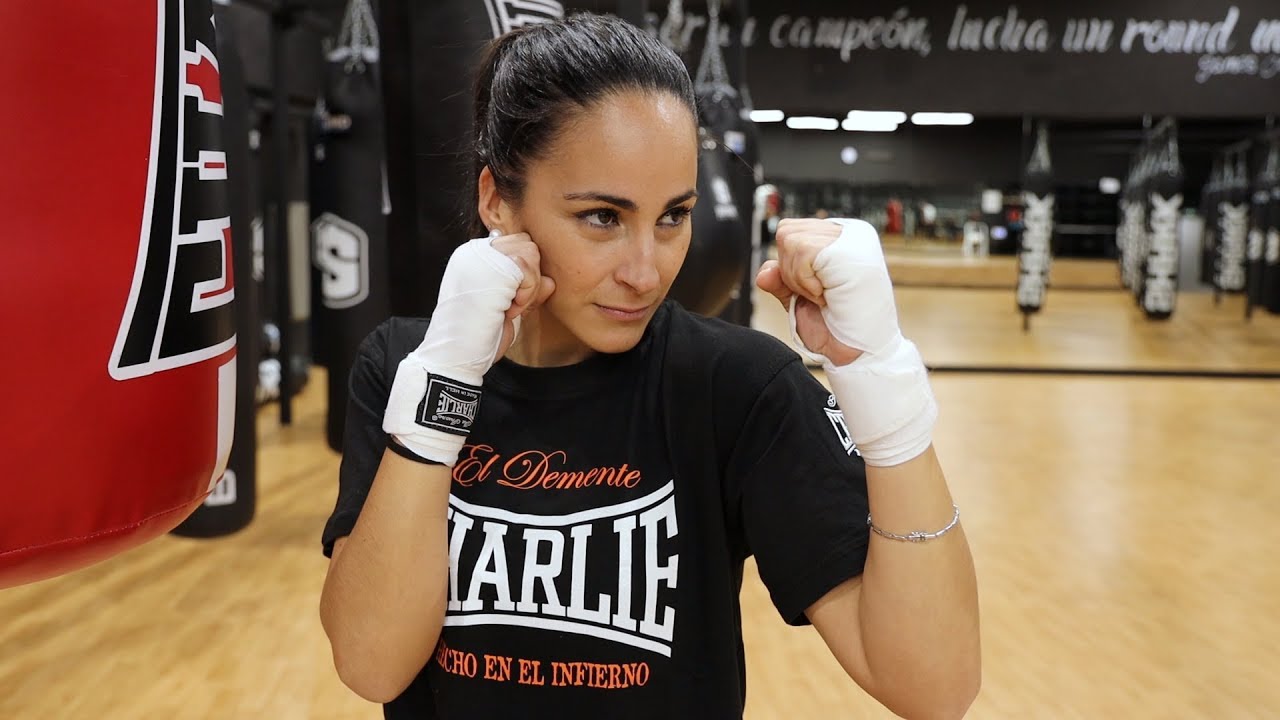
494	233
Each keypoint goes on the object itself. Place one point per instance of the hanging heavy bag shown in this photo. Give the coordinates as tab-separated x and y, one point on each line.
1136	223
1035	250
1232	224
1271	253
429	52
231	505
720	247
721	115
1265	183
720	250
741	137
1209	198
1130	207
1164	205
348	223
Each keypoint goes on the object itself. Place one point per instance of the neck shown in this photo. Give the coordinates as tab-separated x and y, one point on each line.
545	342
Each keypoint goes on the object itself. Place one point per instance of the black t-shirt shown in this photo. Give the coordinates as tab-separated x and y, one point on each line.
601	514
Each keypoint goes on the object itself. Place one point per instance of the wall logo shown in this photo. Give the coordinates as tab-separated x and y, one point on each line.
507	15
179	310
340	251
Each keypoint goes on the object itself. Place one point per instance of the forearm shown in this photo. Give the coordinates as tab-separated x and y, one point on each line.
383	601
918	612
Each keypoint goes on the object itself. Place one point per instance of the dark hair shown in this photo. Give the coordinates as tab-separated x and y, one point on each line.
535	78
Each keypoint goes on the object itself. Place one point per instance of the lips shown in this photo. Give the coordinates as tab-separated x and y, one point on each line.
624	312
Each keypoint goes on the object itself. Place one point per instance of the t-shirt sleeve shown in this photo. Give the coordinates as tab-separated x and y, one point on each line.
802	492
363	440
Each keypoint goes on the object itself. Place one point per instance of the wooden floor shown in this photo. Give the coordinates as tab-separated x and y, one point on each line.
1077	331
1125	531
932	264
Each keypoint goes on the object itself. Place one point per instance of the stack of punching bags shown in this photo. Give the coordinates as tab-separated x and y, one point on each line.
1241	243
1262	251
1147	238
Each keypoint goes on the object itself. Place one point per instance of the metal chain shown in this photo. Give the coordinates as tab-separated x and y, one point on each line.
358	40
712	78
917	536
671	32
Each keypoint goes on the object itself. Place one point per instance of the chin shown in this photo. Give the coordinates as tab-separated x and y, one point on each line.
615	340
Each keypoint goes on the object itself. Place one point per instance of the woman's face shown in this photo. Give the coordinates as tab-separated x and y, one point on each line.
609	208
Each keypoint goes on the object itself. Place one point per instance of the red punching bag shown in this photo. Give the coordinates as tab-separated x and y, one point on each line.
118	287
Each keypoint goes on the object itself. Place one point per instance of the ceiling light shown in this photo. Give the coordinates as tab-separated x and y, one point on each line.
941	118
1108	186
878	116
864	125
812	123
767	116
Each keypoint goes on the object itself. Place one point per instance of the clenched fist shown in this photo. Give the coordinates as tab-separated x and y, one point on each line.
487	285
831	275
534	288
835	273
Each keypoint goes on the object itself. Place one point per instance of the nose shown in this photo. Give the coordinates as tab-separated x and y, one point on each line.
638	269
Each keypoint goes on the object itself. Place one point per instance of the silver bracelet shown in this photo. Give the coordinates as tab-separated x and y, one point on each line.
917	536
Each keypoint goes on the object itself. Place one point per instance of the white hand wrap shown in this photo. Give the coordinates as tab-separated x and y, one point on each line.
436	391
885	394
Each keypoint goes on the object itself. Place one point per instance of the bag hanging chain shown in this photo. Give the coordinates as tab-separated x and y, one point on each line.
712	78
671	32
358	40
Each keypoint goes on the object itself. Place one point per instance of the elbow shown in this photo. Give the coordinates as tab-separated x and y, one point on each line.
957	705
363	667
946	698
953	704
370	682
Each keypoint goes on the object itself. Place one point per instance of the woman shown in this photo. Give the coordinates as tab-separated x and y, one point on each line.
550	488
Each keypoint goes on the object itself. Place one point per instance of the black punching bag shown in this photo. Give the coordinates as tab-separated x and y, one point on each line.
740	137
231	505
430	52
348	222
722	116
720	250
721	243
1164	206
1232	227
1265	183
1271	253
1209	198
1127	232
1035	251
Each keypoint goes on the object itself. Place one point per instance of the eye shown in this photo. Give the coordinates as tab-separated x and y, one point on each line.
675	217
599	218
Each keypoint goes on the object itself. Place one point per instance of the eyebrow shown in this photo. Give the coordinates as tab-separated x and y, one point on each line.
624	203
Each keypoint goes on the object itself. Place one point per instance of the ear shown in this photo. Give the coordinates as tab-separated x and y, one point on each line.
495	212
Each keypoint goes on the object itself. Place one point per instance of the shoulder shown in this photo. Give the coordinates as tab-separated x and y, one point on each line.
381	351
393	338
